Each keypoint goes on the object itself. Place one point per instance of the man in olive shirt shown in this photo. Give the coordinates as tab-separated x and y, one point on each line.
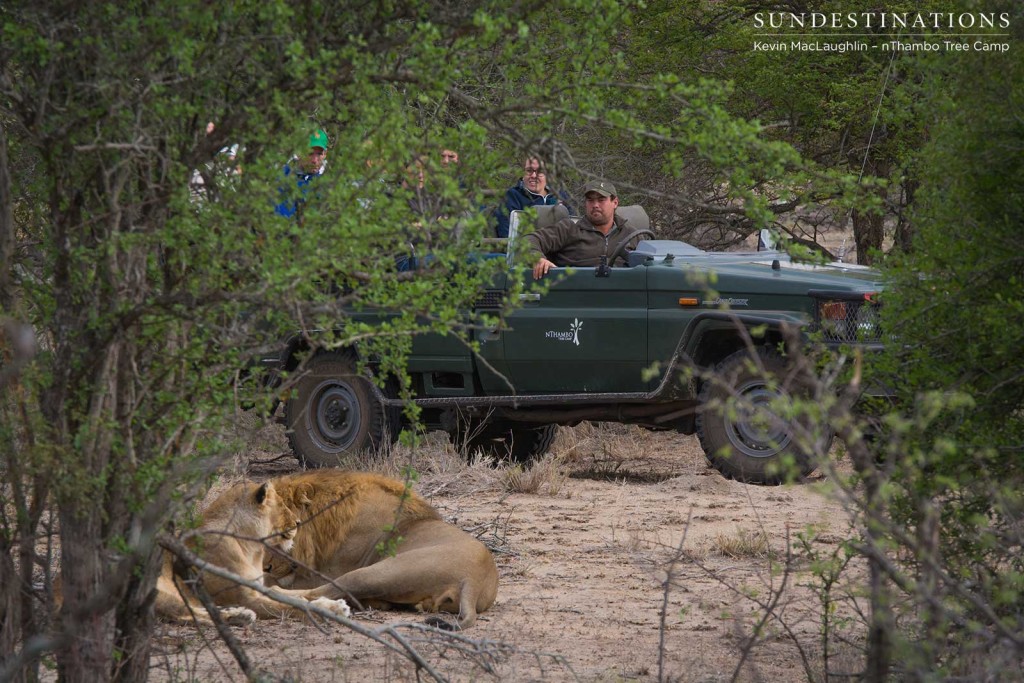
586	242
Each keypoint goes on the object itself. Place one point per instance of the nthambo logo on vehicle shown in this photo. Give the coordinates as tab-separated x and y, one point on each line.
881	31
570	335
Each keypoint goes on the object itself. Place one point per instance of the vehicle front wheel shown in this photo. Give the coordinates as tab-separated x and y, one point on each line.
332	412
746	423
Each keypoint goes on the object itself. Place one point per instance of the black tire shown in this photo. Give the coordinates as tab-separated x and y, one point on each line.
740	436
333	412
524	444
502	441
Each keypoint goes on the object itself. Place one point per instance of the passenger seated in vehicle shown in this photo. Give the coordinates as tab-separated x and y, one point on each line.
587	241
531	190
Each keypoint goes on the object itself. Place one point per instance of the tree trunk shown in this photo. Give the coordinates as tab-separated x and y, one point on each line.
869	226
7	241
135	621
904	237
879	651
10	612
867	234
878	658
85	573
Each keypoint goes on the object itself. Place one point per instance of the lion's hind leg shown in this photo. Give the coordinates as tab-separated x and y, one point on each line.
467	604
405	580
460	600
465	596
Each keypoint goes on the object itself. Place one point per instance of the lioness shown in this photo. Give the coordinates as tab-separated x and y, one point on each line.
384	545
234	532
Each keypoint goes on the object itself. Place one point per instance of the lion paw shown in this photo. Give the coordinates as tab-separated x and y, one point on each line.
339	606
238	616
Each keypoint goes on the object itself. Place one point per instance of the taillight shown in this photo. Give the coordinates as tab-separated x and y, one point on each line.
847	317
833	310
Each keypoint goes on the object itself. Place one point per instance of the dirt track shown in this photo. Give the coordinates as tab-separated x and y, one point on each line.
583	564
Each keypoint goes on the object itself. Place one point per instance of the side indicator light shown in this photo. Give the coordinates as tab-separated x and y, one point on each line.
688	301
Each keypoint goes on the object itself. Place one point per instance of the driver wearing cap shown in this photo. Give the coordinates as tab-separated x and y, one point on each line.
586	242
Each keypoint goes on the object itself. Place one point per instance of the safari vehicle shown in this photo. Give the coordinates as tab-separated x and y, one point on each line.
580	351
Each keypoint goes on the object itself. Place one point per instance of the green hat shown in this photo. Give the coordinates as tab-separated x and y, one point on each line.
602	187
318	139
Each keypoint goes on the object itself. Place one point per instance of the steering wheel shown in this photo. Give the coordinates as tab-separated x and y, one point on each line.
621	248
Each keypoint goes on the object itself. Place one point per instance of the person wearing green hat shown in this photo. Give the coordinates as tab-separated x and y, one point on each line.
586	242
306	169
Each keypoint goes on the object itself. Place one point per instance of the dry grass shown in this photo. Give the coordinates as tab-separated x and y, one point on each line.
588	450
614	443
739	544
744	543
437	464
544	476
618	452
630	539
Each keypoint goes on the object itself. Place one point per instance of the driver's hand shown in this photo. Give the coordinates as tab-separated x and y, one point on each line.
541	268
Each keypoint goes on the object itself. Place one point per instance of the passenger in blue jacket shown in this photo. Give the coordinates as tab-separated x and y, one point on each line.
531	190
303	171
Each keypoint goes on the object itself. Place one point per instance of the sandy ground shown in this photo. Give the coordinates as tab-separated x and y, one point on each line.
583	562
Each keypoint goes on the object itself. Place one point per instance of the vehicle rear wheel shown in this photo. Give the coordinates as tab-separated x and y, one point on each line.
333	412
517	444
739	426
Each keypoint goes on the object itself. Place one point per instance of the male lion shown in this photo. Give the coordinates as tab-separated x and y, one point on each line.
235	530
384	545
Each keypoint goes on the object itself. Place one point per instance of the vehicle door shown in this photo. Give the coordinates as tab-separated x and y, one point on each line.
586	334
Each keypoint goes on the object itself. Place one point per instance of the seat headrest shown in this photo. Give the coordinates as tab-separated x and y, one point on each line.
635	214
549	215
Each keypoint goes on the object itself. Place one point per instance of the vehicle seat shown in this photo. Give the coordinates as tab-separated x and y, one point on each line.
546	215
549	215
635	214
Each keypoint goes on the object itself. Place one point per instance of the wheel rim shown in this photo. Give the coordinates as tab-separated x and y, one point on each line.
334	416
757	431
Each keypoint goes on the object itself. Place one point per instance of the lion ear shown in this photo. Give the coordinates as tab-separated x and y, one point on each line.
262	493
304	495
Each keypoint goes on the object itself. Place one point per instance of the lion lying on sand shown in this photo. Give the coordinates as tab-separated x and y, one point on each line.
383	545
236	529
